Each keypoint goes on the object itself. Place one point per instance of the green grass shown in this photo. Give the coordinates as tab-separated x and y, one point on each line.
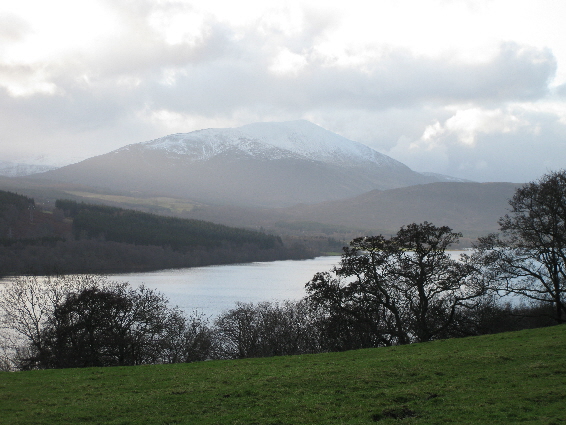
507	378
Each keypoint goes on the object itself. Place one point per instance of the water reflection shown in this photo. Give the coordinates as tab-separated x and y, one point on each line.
213	289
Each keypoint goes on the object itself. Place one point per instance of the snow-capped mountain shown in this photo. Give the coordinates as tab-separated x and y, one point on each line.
15	169
270	141
262	164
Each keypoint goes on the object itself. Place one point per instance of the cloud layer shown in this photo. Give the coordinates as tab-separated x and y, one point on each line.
158	67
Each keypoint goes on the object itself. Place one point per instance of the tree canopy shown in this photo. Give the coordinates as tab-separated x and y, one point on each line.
528	256
404	288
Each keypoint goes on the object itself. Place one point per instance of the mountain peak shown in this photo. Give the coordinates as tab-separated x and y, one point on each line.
269	164
269	141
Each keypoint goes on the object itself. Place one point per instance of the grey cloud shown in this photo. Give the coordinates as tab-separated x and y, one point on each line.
561	90
518	156
221	73
66	128
398	80
13	28
18	71
401	79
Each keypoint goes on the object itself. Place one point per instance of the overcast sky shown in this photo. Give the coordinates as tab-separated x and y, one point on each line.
470	88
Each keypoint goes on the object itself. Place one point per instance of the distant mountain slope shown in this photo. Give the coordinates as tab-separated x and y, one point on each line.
15	169
472	208
444	177
263	164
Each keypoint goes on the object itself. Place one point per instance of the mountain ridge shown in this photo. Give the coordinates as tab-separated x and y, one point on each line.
275	140
261	164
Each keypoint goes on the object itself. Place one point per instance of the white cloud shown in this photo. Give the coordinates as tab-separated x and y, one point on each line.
465	124
288	63
448	86
516	143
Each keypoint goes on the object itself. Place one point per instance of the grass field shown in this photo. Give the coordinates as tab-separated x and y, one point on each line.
159	204
507	378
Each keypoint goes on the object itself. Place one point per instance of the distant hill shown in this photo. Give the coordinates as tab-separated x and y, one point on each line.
263	164
472	208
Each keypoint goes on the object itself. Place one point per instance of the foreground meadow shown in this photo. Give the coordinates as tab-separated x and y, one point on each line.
507	378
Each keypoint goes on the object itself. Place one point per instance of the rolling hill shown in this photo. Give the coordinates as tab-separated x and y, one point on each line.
472	208
506	378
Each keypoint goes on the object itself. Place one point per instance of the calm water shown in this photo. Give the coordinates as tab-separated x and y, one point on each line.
213	289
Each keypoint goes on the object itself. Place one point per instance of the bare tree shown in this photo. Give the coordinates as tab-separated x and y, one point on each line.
106	327
528	257
27	302
78	321
266	329
401	289
188	339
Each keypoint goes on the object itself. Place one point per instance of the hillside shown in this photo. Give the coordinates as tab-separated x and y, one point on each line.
505	378
262	164
21	220
470	208
87	238
119	225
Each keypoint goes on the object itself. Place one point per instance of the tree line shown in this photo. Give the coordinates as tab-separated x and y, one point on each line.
130	226
386	291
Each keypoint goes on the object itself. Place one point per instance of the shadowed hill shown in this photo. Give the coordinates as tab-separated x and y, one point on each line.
472	208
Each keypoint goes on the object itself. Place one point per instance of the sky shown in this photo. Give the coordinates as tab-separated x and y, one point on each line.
474	89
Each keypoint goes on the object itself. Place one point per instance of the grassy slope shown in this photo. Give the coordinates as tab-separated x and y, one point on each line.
498	379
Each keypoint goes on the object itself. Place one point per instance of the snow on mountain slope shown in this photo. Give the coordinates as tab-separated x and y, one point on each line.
269	141
13	169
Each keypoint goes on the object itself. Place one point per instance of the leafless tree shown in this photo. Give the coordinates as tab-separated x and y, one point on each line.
266	329
27	302
528	257
400	289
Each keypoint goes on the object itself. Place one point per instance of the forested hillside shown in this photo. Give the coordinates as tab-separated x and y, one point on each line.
128	226
87	238
22	222
12	208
